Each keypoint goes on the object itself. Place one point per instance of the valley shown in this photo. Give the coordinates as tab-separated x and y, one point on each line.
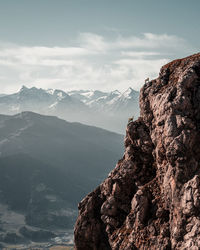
47	165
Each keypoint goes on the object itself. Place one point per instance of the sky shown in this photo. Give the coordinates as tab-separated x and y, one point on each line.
92	44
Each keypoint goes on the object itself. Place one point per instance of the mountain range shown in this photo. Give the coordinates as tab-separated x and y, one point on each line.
109	110
48	164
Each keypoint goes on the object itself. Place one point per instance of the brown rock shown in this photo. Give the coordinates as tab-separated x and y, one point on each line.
151	200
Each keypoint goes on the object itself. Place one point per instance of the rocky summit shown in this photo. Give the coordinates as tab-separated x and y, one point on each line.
151	200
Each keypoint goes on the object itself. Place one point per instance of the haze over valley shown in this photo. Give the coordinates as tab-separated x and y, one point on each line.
108	110
47	165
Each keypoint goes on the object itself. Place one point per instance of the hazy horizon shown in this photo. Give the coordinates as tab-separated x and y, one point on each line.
66	90
102	45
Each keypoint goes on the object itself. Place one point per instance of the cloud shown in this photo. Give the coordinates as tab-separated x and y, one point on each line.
144	41
44	51
93	62
93	42
134	71
151	41
140	54
40	55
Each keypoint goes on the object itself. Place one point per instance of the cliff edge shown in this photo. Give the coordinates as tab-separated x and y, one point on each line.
151	200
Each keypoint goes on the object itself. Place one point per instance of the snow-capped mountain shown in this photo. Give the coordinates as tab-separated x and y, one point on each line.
96	100
34	99
108	110
89	97
104	100
125	102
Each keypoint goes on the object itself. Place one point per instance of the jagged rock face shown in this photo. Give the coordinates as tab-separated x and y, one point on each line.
151	200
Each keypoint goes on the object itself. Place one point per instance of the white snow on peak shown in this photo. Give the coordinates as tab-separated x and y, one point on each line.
60	95
15	108
52	106
88	94
23	88
128	93
115	92
50	91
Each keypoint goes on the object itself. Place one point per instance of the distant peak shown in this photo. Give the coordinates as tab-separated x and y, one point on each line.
115	92
23	88
129	91
26	88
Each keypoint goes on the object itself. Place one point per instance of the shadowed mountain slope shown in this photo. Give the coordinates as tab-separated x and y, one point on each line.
47	165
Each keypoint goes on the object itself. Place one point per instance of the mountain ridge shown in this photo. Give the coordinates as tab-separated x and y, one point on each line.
109	110
46	166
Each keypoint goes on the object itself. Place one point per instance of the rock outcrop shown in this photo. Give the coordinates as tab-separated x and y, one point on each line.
151	200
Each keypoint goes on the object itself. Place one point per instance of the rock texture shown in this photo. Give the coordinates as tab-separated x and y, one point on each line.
151	200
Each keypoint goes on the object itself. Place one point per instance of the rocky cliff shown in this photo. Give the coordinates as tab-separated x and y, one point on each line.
151	200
